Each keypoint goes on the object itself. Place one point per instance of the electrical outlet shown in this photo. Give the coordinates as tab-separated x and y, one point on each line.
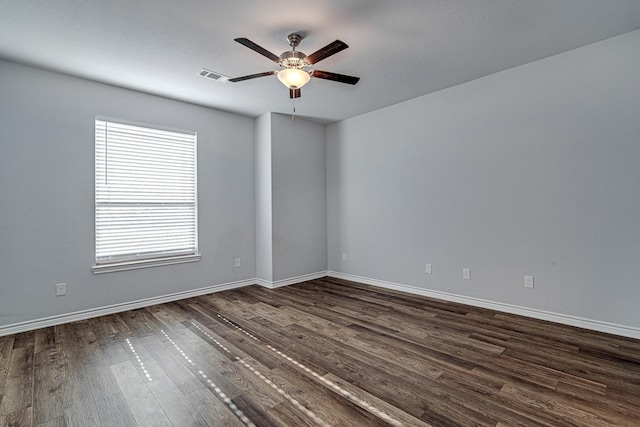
466	273
344	257
528	282
61	289
427	268
237	263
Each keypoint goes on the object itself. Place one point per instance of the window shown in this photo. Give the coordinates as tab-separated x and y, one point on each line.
146	197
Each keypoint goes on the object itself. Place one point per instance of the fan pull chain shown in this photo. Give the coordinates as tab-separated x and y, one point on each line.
293	116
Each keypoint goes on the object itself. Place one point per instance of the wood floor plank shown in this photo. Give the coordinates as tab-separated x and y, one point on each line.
222	374
24	339
79	407
212	409
48	378
283	414
255	413
377	383
6	345
143	405
389	413
174	404
109	337
413	350
252	386
16	405
323	401
20	418
110	402
171	364
479	395
44	339
208	358
115	325
54	422
568	413
239	341
141	322
298	340
169	315
237	370
142	359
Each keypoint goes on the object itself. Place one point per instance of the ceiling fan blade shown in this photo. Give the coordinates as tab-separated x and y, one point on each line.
262	51
294	93
342	78
253	76
325	52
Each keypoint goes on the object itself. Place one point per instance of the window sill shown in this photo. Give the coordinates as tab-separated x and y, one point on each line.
134	265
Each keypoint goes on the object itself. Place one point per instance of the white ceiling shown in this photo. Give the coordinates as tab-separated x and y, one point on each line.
401	49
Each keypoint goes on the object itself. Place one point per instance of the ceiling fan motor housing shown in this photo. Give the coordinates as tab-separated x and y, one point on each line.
293	59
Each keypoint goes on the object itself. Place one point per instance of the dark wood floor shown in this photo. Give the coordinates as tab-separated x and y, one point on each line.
322	353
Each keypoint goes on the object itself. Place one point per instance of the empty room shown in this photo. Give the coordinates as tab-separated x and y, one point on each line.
320	213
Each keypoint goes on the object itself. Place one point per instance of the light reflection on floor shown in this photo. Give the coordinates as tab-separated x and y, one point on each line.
280	391
142	367
212	385
344	393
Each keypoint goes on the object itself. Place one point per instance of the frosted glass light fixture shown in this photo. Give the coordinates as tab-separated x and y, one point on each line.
293	78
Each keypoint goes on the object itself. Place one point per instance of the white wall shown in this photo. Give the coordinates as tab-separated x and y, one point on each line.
531	171
47	195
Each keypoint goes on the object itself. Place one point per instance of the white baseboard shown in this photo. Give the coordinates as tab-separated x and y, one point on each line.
117	308
595	325
291	281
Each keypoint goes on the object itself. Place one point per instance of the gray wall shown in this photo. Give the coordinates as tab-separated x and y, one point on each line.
291	209
531	171
47	195
299	197
264	206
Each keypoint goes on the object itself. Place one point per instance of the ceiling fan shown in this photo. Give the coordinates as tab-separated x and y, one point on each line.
294	63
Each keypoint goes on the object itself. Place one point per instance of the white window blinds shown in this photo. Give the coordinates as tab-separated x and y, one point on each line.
146	193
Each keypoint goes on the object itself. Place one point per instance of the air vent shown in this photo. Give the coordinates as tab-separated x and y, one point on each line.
213	75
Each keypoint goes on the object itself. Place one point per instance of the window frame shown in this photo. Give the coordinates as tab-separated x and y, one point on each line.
137	259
